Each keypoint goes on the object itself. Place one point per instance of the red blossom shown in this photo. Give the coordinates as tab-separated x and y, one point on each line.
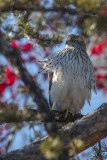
97	49
105	90
10	77
94	51
104	42
100	47
14	44
31	58
2	87
23	60
99	77
104	9
101	12
100	85
105	77
27	47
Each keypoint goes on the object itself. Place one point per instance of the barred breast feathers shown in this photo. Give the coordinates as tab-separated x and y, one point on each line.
73	63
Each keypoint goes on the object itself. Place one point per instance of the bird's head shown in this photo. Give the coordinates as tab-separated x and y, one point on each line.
73	39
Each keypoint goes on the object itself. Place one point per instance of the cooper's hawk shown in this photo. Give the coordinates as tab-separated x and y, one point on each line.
71	76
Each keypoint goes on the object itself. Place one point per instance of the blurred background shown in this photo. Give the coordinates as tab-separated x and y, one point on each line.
38	28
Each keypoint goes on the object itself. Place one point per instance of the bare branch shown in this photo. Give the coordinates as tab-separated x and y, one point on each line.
89	129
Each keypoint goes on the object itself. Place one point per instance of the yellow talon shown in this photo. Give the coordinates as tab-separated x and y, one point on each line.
66	114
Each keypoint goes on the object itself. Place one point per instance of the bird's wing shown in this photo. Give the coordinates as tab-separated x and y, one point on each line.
91	79
50	76
52	63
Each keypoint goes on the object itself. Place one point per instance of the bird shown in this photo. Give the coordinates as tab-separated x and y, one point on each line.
71	76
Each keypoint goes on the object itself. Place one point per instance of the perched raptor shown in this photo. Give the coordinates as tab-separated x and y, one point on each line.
71	76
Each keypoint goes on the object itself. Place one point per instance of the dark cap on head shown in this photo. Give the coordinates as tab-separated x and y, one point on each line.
75	39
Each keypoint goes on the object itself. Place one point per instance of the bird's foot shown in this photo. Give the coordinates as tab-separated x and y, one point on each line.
66	110
66	114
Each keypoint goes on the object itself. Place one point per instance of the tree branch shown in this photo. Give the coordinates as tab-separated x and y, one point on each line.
40	9
67	9
13	55
10	114
89	130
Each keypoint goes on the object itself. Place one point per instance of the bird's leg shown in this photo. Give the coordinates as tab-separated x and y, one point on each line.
66	114
66	110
